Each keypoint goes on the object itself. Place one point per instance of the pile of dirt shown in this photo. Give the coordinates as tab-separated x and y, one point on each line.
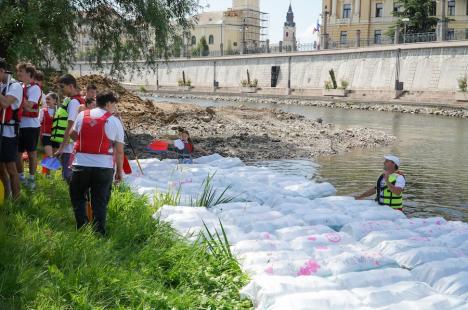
132	108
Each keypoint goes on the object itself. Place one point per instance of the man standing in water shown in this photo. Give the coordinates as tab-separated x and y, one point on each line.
390	185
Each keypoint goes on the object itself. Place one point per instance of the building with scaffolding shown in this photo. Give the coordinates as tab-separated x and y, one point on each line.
241	29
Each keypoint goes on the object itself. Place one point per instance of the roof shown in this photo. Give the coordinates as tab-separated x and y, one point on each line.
210	18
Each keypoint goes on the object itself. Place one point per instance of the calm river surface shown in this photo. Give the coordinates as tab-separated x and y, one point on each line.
433	150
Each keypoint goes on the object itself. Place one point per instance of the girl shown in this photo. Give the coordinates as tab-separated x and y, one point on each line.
46	117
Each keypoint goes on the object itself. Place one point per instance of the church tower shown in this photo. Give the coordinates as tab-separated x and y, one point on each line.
289	32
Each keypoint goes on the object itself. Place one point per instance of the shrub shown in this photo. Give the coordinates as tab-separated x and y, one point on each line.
344	84
463	83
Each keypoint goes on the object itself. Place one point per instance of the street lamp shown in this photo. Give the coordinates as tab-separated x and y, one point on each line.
405	21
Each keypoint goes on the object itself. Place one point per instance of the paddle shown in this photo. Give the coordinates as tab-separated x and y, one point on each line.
126	166
158	146
51	163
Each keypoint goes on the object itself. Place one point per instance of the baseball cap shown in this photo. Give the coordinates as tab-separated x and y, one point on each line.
394	159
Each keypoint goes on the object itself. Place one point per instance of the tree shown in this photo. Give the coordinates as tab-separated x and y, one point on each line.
46	31
202	48
418	12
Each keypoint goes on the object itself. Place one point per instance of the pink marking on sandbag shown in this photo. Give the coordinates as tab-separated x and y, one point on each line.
311	267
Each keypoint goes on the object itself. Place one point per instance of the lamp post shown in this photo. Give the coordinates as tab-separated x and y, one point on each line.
405	21
221	45
324	35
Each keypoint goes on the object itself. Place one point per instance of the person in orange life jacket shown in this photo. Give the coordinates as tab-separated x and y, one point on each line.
46	117
384	184
11	96
99	147
30	126
69	88
39	80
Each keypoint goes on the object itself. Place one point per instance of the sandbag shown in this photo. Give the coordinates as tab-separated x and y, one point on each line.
322	300
375	237
361	229
455	284
415	257
375	278
292	232
349	262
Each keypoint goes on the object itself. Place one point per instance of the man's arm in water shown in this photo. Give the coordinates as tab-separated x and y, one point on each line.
371	191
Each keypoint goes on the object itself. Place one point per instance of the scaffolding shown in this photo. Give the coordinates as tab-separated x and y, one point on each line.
253	27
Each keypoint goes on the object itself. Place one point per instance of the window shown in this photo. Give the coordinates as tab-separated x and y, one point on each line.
287	34
433	8
378	37
194	40
211	39
396	6
379	10
346	10
344	37
451	8
235	44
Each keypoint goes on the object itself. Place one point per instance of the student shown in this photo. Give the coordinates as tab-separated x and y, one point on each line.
39	80
30	126
91	91
11	96
99	147
184	147
90	103
46	117
63	122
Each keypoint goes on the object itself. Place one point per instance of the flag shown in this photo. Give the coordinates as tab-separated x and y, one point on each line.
317	27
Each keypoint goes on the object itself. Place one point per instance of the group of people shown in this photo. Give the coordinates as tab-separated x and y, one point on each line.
83	132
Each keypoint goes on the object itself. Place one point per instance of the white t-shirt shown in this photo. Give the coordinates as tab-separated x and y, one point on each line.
44	102
73	109
15	90
51	112
114	132
34	94
400	182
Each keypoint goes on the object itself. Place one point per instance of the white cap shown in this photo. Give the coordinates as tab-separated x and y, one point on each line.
393	158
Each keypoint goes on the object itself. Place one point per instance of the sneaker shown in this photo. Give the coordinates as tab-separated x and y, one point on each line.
31	183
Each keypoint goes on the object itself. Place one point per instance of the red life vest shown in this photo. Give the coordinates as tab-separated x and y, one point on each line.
80	99
35	107
92	138
10	114
189	147
46	125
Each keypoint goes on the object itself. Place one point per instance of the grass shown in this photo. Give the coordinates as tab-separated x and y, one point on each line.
209	196
142	264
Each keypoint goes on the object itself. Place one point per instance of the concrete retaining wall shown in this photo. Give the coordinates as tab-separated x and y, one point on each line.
423	67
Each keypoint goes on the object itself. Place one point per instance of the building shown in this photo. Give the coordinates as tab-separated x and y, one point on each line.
240	29
289	32
366	22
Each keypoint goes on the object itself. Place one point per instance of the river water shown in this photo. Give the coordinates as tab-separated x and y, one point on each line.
433	150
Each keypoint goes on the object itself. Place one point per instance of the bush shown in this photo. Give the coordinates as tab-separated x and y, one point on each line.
463	84
142	264
344	84
328	85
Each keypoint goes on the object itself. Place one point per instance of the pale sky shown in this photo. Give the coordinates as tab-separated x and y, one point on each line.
306	13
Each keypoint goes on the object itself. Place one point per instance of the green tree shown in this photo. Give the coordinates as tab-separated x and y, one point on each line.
46	31
202	48
418	12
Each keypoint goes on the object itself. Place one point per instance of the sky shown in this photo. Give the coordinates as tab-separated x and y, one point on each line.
306	13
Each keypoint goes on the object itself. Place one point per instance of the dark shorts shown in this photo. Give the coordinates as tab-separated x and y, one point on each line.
46	142
9	151
28	139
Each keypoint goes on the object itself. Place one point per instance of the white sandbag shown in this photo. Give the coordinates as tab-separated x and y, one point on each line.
455	284
350	262
374	278
265	288
361	229
393	293
322	300
310	242
454	238
332	219
274	224
266	257
259	245
434	271
415	257
292	232
379	214
375	237
392	247
433	302
413	223
434	230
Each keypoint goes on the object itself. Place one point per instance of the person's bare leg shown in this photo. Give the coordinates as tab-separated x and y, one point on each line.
5	180
48	151
32	163
20	164
14	179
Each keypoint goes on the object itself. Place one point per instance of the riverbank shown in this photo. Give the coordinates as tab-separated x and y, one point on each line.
248	133
45	263
442	109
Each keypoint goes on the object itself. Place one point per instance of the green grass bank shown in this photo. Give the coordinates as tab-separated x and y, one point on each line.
142	263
